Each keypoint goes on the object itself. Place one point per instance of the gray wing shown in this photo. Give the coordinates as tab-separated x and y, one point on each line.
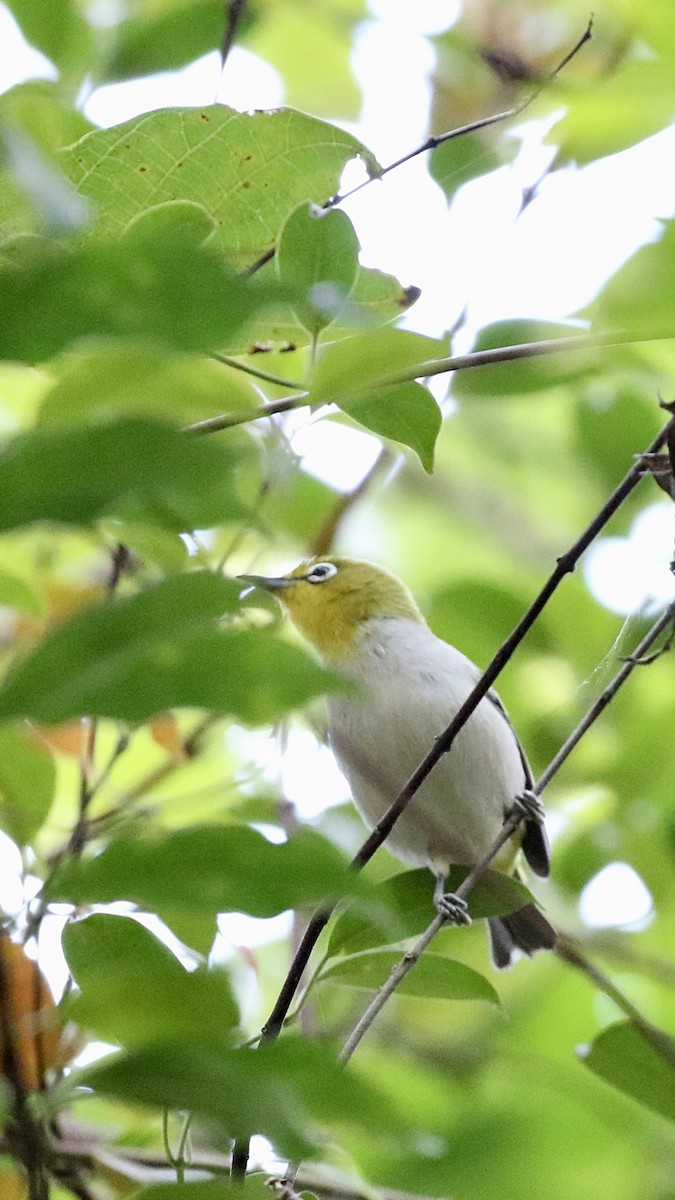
535	842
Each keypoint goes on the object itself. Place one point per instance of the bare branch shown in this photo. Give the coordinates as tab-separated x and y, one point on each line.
473	126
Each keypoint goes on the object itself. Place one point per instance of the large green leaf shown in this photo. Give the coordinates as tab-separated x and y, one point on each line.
628	106
623	1057
433	977
288	1092
641	296
27	782
317	259
128	468
160	37
133	657
158	284
105	379
58	29
209	869
404	908
351	367
133	990
533	373
213	1189
404	412
245	171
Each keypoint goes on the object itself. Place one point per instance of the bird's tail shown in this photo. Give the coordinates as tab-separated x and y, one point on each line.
526	929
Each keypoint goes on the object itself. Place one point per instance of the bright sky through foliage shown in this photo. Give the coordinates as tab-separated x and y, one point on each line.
497	262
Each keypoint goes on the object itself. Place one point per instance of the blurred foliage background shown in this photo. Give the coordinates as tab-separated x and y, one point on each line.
161	737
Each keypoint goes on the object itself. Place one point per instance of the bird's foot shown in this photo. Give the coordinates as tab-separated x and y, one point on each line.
529	806
449	906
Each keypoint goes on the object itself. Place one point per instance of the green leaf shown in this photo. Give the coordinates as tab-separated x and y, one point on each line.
433	977
212	1189
236	166
133	657
130	468
404	412
375	299
641	296
403	908
153	39
209	869
461	159
289	1092
16	593
27	783
606	117
103	380
58	29
155	285
317	259
621	1056
522	375
134	990
311	47
353	366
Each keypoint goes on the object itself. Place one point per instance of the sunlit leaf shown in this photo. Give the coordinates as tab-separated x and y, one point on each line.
134	990
404	412
608	116
351	367
641	295
106	379
246	170
317	259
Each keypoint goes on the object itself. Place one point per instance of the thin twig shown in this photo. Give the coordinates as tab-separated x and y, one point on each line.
636	659
664	1045
227	420
501	354
408	961
442	366
325	536
256	372
473	126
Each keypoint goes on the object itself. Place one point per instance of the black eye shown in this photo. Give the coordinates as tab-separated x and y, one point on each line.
321	572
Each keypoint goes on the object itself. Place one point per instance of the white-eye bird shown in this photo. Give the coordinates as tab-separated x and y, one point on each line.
365	623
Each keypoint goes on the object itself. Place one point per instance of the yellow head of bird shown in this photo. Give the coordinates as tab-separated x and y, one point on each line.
330	599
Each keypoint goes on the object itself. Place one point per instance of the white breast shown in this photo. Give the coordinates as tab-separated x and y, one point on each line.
412	685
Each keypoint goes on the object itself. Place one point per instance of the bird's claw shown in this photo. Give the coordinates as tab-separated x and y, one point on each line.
452	908
529	806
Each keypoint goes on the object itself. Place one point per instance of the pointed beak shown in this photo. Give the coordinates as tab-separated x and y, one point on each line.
269	583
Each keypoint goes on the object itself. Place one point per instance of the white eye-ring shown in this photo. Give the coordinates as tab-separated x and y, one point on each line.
321	572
